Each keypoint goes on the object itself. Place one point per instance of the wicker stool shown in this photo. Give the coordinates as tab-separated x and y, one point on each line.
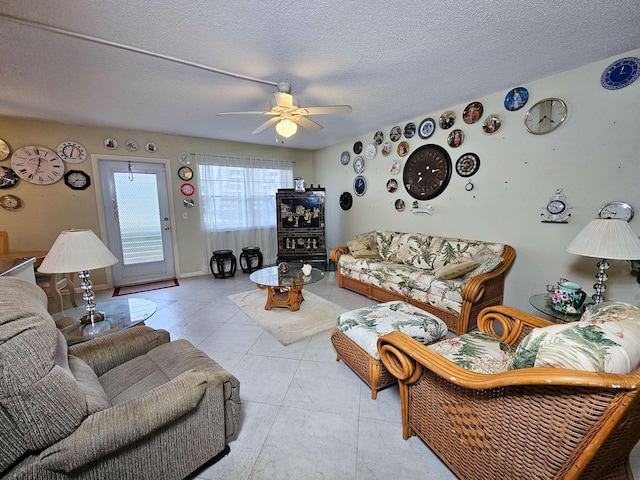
250	259
223	263
356	337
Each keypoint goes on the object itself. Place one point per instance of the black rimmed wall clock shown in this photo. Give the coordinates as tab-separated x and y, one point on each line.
427	172
346	201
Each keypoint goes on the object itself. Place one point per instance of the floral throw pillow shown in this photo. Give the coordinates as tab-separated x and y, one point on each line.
364	247
475	351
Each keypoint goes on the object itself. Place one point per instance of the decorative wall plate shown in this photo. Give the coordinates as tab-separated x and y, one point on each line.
370	151
358	165
426	128
346	201
395	134
8	178
188	202
467	164
151	147
72	152
386	148
447	119
345	158
11	203
403	148
399	205
472	113
131	145
392	185
5	151
187	189
378	137
395	167
455	138
185	173
359	185
621	73
110	143
409	130
491	124
516	99
184	158
357	148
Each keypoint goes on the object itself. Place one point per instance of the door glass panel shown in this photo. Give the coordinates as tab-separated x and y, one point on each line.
139	218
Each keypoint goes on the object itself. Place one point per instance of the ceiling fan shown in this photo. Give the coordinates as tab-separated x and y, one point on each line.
286	115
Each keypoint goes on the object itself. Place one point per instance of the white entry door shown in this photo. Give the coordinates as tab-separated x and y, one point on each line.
137	217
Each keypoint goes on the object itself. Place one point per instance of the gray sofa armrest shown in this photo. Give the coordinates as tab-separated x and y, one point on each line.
117	427
104	353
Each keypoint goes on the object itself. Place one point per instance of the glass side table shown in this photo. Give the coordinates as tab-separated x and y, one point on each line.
284	290
119	315
542	303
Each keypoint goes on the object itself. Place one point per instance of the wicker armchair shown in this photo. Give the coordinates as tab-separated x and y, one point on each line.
528	423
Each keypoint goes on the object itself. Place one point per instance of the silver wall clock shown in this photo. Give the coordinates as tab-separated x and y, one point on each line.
545	116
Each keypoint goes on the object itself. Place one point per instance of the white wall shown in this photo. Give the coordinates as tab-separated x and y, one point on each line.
593	158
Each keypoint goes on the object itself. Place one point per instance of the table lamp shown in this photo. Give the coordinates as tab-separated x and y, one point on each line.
607	239
79	251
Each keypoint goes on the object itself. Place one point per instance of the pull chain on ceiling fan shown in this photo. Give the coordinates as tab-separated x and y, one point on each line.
286	115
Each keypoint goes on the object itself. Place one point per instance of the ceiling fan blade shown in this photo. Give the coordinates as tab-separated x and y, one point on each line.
266	125
307	123
243	113
324	110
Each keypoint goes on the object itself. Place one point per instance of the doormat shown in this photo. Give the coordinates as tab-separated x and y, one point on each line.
145	287
315	315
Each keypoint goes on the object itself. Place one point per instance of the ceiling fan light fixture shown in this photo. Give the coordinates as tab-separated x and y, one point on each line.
286	128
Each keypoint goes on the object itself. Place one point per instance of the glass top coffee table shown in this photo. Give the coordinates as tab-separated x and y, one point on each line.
284	290
119	315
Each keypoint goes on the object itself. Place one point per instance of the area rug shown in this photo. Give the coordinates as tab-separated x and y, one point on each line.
315	315
145	287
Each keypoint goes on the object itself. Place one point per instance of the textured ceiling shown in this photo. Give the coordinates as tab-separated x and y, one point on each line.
390	61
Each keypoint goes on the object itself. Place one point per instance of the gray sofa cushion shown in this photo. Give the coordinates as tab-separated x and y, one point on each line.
91	387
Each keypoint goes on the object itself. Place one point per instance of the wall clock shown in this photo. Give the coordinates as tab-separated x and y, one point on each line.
370	151
11	203
77	180
8	178
556	209
467	164
184	158
621	73
358	165
346	201
360	185
39	165
545	116
72	152
4	150
187	189
185	173
345	158
427	172
357	148
616	209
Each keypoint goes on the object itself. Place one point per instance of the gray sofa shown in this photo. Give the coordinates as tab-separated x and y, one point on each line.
128	405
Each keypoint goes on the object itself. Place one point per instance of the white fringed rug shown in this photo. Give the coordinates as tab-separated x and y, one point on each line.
315	315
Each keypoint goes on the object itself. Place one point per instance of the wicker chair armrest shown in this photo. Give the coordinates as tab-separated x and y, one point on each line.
405	358
508	324
336	252
474	287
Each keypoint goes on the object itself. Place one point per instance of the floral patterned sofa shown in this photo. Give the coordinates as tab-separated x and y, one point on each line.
450	277
526	398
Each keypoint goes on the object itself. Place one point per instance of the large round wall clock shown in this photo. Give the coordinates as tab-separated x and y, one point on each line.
621	73
545	116
427	172
39	165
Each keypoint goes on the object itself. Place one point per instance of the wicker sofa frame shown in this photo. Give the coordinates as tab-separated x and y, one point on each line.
479	292
543	423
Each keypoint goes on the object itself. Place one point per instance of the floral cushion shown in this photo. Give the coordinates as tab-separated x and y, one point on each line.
364	247
456	270
388	244
452	250
408	248
365	325
488	261
477	352
606	339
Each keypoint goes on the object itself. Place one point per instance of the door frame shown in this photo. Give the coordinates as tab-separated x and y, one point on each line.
95	158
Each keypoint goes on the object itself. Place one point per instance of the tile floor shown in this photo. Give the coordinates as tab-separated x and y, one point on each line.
304	415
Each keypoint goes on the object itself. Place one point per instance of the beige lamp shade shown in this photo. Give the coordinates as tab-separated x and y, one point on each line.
610	238
77	251
286	128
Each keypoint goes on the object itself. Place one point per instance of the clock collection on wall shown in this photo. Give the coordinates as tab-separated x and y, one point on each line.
427	168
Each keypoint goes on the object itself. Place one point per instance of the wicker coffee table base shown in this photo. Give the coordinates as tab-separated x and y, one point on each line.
371	371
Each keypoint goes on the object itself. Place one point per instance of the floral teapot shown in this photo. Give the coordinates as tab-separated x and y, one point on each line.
568	297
